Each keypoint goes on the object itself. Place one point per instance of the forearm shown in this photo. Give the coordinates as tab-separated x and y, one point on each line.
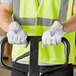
5	19
70	25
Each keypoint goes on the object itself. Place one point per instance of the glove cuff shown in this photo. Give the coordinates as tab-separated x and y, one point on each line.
15	26
61	32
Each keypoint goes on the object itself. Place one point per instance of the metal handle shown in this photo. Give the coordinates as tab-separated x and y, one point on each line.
67	49
67	52
4	41
35	40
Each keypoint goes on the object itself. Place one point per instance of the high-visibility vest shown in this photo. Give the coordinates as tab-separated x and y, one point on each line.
35	19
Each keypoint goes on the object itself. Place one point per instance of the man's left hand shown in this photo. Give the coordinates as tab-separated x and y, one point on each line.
53	35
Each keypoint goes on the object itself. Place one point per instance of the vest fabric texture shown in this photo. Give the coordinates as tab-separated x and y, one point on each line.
35	19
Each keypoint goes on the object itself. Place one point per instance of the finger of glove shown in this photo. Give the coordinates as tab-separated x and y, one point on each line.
43	45
14	39
10	36
23	41
18	41
10	40
49	39
54	40
22	34
44	40
26	43
58	38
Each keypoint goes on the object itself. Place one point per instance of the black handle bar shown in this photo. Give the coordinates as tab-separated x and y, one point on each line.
33	39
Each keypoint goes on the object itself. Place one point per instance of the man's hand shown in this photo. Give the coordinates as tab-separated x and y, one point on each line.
53	35
16	34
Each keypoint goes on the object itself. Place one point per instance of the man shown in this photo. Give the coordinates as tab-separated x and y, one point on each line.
50	19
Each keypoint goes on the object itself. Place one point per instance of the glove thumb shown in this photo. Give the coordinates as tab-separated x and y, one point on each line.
43	45
26	44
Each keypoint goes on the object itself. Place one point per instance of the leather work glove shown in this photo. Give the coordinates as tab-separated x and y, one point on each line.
16	34
53	35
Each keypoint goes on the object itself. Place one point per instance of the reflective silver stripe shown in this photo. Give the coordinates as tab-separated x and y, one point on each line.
45	21
40	64
39	1
7	1
74	1
25	21
40	21
63	10
22	21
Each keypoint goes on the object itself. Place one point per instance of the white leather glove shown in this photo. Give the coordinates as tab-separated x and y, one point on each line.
53	35
16	34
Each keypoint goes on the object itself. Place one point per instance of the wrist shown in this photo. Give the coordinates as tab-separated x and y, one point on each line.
64	27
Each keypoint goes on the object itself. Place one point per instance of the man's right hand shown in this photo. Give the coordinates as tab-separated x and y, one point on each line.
16	34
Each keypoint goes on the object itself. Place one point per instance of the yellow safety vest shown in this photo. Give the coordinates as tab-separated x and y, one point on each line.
36	19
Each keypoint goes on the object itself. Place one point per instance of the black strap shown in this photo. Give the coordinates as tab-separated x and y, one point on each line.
23	56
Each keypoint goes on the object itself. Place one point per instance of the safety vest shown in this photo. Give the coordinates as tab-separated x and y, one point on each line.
35	19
